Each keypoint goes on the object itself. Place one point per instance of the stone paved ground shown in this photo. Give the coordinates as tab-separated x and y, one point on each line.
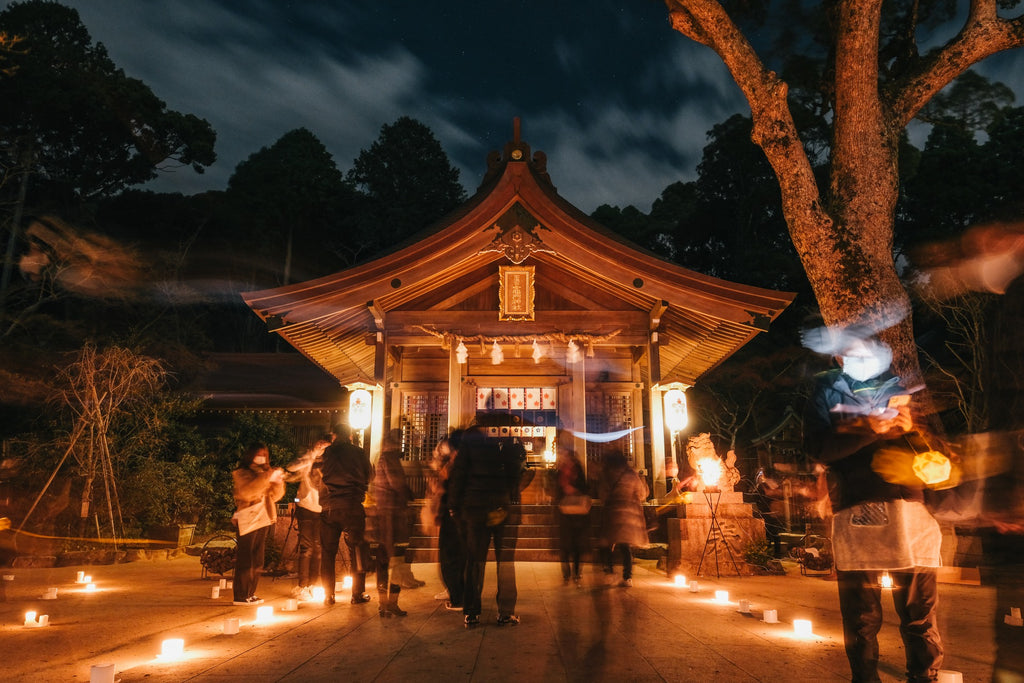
651	632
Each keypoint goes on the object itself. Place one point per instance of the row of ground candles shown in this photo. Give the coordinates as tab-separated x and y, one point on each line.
803	627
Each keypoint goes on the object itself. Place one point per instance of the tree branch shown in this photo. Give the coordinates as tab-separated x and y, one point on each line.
984	33
707	22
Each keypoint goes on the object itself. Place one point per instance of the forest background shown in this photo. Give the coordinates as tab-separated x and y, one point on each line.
104	282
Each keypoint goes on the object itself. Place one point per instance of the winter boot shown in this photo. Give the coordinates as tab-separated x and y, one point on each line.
402	571
389	603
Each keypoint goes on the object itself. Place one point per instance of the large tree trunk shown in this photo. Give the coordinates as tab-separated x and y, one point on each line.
845	241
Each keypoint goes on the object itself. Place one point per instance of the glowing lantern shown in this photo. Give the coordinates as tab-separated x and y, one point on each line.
710	471
802	627
680	580
359	404
346	583
722	596
319	593
932	467
264	614
886	580
172	648
676	417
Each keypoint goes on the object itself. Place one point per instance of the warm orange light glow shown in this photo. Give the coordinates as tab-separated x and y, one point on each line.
710	471
680	580
359	409
676	417
172	648
932	467
802	627
886	580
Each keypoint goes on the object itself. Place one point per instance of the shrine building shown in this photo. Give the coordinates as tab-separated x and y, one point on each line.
519	308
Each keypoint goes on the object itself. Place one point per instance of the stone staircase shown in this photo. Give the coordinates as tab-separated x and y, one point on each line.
537	537
537	530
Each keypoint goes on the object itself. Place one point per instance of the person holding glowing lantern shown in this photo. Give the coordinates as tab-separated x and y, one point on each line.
859	424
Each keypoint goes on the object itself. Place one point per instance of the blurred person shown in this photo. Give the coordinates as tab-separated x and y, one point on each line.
572	505
306	470
766	492
257	488
391	493
484	482
878	525
623	525
345	476
451	547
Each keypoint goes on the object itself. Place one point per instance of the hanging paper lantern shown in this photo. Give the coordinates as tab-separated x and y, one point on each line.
675	410
359	404
572	352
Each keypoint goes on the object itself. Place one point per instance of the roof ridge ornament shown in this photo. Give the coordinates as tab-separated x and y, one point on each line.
517	151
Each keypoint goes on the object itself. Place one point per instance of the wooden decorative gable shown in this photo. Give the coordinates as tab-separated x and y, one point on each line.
586	281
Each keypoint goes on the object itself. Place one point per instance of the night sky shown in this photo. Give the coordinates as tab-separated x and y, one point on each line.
619	101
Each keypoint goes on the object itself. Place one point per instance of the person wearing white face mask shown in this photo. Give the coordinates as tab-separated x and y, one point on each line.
858	412
257	488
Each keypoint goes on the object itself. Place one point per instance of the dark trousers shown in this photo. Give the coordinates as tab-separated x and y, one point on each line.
348	519
915	596
573	533
479	537
249	555
451	554
309	546
625	552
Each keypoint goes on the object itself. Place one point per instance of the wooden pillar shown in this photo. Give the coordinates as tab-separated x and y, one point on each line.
379	393
658	443
578	408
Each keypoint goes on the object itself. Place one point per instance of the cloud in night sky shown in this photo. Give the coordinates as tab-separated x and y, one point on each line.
619	101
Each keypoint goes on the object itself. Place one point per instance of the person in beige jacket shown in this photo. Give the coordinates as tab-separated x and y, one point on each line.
256	483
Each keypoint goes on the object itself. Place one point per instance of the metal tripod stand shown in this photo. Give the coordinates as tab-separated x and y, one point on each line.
715	534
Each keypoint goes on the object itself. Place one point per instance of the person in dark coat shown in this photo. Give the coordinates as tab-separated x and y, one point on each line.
451	547
878	525
623	525
392	495
345	475
573	522
484	482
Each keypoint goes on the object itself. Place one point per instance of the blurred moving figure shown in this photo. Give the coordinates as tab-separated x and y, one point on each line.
392	495
451	547
306	470
623	525
855	412
484	482
572	503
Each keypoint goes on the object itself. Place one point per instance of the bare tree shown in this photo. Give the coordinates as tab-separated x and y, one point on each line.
98	387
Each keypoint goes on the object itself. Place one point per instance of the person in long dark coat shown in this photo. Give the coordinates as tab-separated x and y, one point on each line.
391	493
345	475
573	523
623	525
484	483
